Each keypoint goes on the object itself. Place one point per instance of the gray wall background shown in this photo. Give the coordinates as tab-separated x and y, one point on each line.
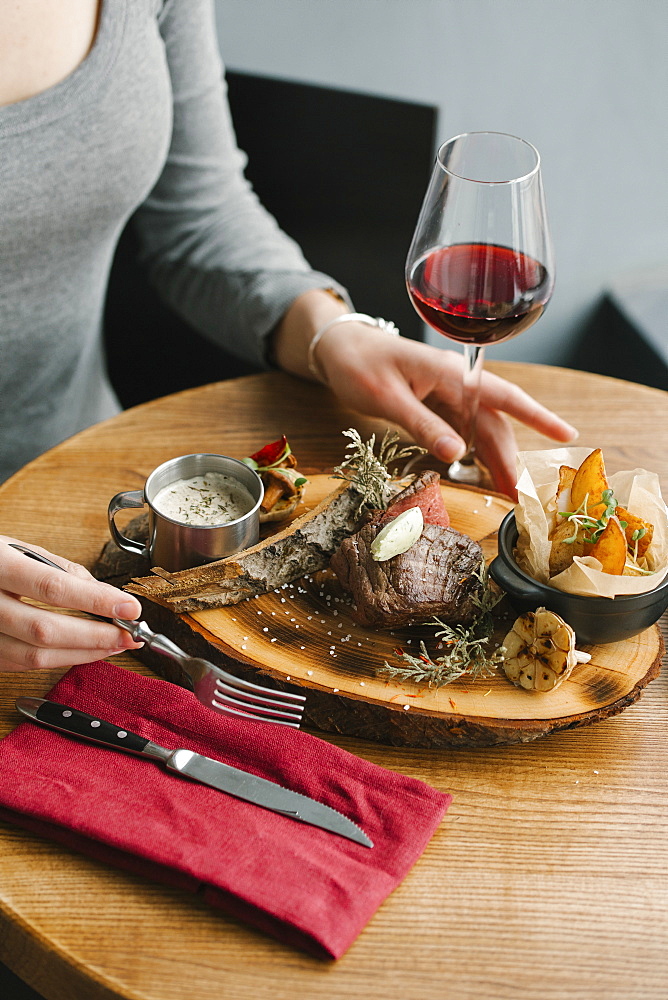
585	80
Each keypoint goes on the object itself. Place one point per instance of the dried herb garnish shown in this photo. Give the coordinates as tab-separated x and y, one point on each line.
466	647
370	474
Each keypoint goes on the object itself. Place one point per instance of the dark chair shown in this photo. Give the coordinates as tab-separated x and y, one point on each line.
343	173
626	338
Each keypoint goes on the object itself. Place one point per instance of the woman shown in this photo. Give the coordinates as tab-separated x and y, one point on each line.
111	110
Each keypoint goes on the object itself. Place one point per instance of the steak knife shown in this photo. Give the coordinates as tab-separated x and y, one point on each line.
223	777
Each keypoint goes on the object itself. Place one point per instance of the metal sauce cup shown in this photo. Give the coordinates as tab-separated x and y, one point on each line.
174	545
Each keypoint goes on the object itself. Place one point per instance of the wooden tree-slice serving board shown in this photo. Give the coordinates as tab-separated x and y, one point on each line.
304	635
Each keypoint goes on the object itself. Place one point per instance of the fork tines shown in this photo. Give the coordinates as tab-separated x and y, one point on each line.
239	697
260	709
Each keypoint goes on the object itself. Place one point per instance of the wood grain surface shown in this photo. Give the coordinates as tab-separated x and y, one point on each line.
547	880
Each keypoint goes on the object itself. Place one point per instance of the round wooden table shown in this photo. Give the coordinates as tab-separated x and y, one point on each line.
547	879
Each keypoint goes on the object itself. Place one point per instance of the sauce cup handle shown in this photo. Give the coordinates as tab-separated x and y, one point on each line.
131	498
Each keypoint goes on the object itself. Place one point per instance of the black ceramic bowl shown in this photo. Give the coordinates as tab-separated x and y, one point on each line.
596	620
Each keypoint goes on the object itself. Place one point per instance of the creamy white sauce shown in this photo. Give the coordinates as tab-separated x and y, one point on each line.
213	498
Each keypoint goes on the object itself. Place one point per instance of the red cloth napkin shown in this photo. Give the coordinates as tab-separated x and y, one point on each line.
307	887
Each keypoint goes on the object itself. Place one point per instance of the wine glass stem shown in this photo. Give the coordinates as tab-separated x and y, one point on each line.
473	362
466	470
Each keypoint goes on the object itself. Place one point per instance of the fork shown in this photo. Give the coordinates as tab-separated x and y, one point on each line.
213	686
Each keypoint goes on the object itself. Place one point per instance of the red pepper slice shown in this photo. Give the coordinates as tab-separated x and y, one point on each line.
271	453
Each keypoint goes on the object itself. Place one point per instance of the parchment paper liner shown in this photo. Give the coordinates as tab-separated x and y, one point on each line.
637	490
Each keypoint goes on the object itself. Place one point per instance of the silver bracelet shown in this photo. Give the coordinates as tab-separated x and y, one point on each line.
386	325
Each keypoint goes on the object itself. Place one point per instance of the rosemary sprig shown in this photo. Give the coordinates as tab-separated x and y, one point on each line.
369	473
466	647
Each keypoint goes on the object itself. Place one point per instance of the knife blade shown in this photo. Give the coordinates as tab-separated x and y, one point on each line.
223	777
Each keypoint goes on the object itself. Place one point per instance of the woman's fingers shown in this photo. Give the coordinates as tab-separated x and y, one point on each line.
495	439
35	637
496	448
41	627
498	394
420	387
17	655
72	588
424	424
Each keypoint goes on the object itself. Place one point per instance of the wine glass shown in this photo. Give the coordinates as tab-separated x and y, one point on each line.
480	268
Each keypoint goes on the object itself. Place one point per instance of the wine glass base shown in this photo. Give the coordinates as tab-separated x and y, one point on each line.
467	471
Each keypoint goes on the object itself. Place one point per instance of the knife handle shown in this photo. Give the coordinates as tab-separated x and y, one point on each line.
89	727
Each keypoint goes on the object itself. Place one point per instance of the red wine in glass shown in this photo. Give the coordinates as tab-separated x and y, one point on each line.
479	293
480	268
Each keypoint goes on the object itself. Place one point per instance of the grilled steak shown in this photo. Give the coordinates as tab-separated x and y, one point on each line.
436	576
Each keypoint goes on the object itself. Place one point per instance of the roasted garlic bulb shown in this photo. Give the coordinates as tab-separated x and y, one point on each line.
539	651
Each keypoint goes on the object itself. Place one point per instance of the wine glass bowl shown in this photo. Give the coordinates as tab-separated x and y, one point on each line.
480	267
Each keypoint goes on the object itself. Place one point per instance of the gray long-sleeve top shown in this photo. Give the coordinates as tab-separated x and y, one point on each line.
141	128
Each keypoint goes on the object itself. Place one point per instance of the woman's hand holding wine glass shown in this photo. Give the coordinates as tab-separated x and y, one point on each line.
418	387
479	270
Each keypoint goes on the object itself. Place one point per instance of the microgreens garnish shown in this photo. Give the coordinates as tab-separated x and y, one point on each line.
593	526
632	563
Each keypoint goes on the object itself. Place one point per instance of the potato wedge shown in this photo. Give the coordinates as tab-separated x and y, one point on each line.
633	524
610	548
589	483
562	550
566	477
